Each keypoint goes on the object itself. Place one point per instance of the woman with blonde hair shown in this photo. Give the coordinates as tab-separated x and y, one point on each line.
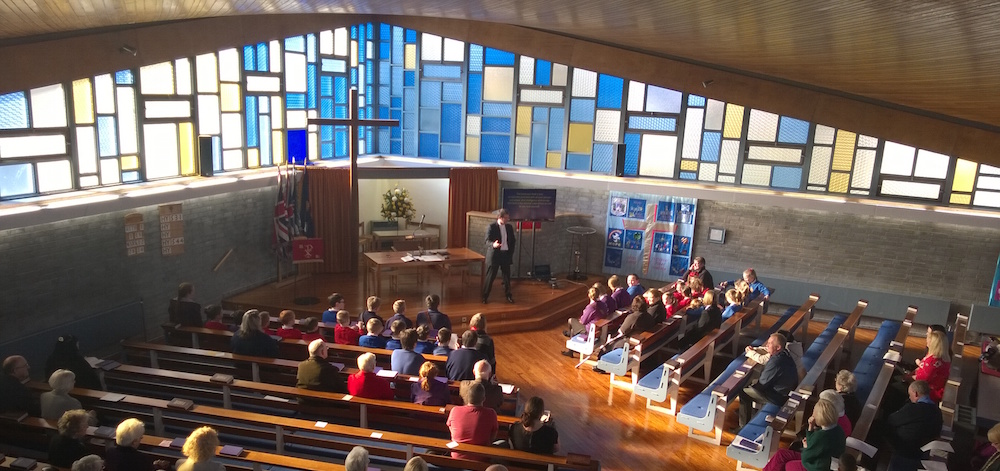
199	448
824	440
429	391
251	340
935	366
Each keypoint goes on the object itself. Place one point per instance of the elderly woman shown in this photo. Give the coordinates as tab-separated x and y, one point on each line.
125	455
824	440
847	386
88	463
199	448
365	383
67	446
57	401
357	459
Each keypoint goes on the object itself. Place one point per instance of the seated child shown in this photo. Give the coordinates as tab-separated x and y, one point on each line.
423	344
374	339
343	333
288	329
397	329
735	303
443	342
311	328
213	312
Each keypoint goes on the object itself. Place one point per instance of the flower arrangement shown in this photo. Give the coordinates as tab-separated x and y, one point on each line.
396	203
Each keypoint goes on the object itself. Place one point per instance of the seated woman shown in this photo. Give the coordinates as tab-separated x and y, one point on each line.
199	448
251	340
56	402
935	366
343	333
824	440
310	329
288	329
429	391
534	433
847	386
67	446
365	383
125	455
213	312
88	463
374	339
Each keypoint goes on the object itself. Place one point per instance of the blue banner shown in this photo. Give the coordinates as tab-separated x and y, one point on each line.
649	235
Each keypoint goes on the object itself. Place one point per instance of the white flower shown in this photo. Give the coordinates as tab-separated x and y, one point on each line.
393	214
394	198
396	191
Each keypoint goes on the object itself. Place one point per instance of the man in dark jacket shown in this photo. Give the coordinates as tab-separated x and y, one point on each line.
500	244
14	395
316	373
913	426
779	378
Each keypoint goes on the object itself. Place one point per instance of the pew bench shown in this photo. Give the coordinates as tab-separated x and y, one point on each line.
622	360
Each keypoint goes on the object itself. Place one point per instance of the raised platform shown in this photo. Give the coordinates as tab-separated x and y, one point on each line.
537	306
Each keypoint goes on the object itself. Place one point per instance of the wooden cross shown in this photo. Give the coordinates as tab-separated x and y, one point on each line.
353	122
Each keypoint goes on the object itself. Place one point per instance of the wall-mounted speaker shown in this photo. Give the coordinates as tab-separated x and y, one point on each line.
205	165
619	160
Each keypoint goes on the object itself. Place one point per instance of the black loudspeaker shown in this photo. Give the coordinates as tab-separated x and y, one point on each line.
619	160
542	272
205	165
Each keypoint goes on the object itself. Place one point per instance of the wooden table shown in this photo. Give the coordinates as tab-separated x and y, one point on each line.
376	261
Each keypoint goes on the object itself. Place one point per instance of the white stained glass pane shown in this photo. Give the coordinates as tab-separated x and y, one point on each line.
229	65
276	113
161	156
559	74
168	109
911	189
662	100
207	73
542	96
729	156
706	172
727	179
756	175
608	123
931	164
430	47
232	159
867	141
109	172
636	95
182	67
297	119
368	49
263	84
54	176
86	149
157	79
274	50
232	131
714	113
295	72
657	155
584	83
819	168
824	135
498	84
104	94
988	170
692	133
897	159
314	146
48	107
763	126
527	72
340	42
988	183
128	127
473	125
986	198
354	56
775	154
326	42
90	180
30	146
209	115
454	50
864	165
522	150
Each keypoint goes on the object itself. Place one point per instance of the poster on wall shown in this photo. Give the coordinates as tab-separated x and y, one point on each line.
649	235
135	239
995	294
171	229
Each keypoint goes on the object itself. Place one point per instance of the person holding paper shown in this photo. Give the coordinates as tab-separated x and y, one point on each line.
494	393
500	243
534	433
365	383
778	379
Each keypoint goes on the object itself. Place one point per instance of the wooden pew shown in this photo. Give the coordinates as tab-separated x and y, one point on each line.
637	348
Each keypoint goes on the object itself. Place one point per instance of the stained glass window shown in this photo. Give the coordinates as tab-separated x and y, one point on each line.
841	161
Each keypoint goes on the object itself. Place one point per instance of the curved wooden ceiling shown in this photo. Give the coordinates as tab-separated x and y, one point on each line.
940	57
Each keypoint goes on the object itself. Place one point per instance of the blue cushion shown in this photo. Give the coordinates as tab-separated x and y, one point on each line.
756	426
652	379
614	356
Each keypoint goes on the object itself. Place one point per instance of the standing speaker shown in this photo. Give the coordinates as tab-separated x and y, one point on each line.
620	160
205	165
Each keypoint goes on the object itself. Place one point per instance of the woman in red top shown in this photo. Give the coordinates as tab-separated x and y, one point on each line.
288	329
936	366
365	383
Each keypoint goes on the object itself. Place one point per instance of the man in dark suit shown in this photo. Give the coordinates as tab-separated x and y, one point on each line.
499	254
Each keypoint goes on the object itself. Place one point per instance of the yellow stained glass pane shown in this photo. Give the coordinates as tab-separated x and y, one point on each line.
843	150
553	160
354	54
691	165
230	97
130	162
524	120
278	147
734	122
965	175
186	131
471	148
958	198
253	158
410	56
838	182
581	138
83	101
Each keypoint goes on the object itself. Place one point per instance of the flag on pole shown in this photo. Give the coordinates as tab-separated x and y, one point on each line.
283	212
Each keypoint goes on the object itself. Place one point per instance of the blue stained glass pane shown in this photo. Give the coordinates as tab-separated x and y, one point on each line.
383	73
383	140
396	102
368	34
695	100
609	93
354	76
496	125
793	131
475	97
430	120
107	136
340	112
395	114
311	47
475	58
540	114
262	65
710	143
662	100
326	150
498	57
340	90
333	65
362	44
396	148
326	86
265	140
451	123
248	58
632	142
383	96
537	158
17	179
397	45
410	143
411	36
397	81
428	145
340	140
326	133
556	128
581	110
452	92
787	177
124	77
442	71
384	30
295	101
452	152
325	108
688	176
495	149
311	85
383	112
578	162
409	99
409	120
295	44
543	73
384	51
505	110
369	73
13	111
652	123
354	32
251	123
130	177
409	77
604	158
430	94
368	141
396	132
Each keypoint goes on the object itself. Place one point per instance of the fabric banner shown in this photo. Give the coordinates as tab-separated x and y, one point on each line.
649	235
995	292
